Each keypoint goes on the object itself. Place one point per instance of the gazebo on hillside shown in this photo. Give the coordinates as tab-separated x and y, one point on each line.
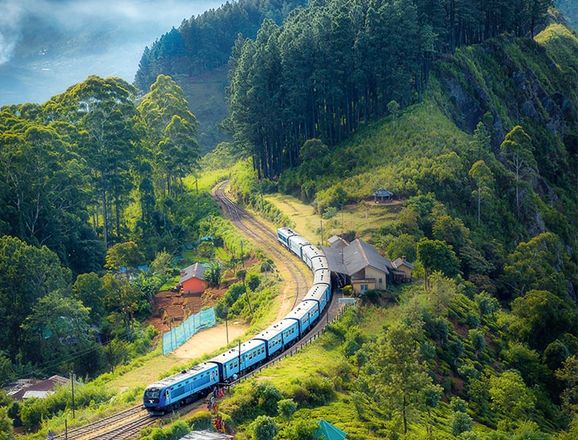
382	195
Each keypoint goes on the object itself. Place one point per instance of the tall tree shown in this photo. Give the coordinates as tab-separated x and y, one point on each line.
172	131
396	375
483	178
517	151
435	255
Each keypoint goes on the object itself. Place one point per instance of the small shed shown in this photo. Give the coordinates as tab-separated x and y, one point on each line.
403	268
326	431
382	195
193	279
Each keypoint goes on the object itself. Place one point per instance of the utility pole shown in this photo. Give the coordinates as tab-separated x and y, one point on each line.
242	257
227	323
65	428
72	385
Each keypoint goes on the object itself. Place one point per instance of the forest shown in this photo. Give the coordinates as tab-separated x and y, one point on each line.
91	182
336	65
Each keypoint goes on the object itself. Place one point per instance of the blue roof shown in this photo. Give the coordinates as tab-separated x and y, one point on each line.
234	352
383	193
327	431
167	381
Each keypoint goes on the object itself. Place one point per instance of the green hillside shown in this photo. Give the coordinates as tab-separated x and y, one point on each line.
497	326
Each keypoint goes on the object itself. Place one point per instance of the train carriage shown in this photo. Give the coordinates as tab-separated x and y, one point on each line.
309	253
172	391
283	235
253	352
319	293
296	244
322	276
279	336
302	314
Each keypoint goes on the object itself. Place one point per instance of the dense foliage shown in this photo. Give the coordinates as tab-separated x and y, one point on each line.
91	174
335	65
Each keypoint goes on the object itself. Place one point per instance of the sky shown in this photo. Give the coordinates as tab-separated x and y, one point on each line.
48	45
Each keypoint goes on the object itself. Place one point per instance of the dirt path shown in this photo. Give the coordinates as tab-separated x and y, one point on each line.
209	340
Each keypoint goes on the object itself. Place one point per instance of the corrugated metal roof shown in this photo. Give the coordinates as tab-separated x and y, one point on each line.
196	270
401	261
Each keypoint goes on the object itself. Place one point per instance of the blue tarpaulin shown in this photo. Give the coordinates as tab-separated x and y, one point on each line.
181	334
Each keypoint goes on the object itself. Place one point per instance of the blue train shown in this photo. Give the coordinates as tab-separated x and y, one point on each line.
187	386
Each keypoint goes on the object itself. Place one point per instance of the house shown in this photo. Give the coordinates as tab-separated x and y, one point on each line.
40	388
359	264
403	269
382	195
193	279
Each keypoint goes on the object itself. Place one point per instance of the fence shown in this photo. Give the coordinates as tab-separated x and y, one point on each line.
181	334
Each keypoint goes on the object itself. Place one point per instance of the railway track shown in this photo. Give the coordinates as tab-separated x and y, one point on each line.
128	423
266	239
85	431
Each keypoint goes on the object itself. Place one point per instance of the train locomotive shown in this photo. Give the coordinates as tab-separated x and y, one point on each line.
187	386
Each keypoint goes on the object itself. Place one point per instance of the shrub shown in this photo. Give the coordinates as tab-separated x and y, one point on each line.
267	397
314	391
286	407
461	422
301	429
201	420
458	405
264	428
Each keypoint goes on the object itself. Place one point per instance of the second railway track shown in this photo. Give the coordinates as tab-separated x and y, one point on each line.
263	236
128	423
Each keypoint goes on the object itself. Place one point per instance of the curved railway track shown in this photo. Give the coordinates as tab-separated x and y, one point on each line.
128	423
266	239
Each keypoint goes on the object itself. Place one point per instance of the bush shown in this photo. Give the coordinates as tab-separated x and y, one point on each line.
286	407
301	429
267	397
174	432
458	405
461	422
314	391
264	428
201	420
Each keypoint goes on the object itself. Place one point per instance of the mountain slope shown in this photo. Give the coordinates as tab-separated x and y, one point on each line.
196	55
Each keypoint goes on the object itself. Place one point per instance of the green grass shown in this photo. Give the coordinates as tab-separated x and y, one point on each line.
363	218
322	358
206	180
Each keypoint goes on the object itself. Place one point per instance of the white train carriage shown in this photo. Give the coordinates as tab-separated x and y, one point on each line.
309	253
322	276
319	263
283	235
296	244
